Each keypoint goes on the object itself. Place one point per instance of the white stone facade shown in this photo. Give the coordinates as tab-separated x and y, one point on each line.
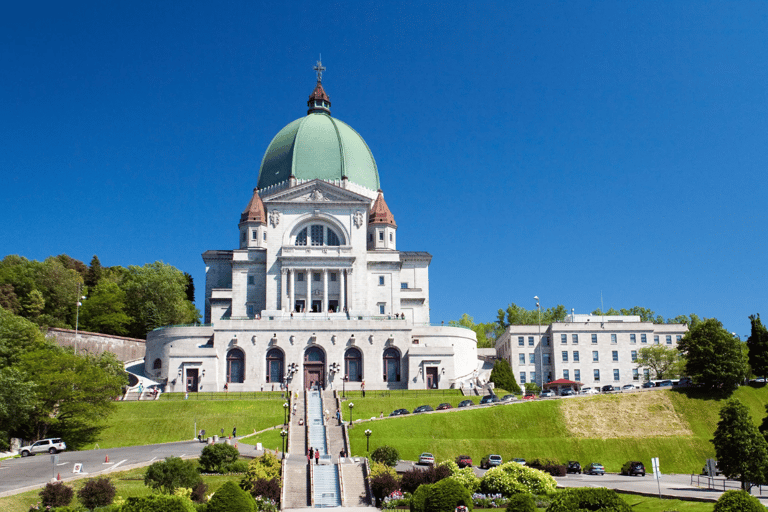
593	350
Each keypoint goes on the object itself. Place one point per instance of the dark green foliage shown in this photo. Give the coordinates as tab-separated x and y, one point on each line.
550	466
56	495
231	498
758	347
104	311
382	485
266	467
516	315
714	358
158	503
386	455
522	502
502	376
444	495
742	452
239	466
413	478
199	492
588	499
738	501
190	289
171	474
269	489
97	492
216	457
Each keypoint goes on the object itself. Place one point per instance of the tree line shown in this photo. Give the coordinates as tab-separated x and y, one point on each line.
124	301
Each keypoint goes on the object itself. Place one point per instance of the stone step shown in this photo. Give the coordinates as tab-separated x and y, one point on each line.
355	493
296	485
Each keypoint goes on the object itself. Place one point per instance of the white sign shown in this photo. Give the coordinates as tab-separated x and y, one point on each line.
78	468
655	464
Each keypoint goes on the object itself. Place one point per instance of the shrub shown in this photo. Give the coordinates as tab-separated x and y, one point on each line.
170	474
269	489
97	492
216	457
386	455
550	466
158	503
522	502
230	498
413	478
419	498
377	468
447	494
738	501
199	492
383	485
265	467
56	495
239	466
512	478
598	499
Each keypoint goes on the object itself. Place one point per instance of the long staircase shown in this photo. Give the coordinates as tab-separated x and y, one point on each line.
326	486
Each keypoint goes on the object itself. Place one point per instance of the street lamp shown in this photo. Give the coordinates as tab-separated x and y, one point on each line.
541	362
344	387
80	298
285	413
351	405
368	439
283	434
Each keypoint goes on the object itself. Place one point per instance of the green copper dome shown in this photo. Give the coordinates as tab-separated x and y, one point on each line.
318	147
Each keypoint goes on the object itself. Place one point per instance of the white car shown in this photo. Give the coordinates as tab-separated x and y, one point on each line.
51	445
426	458
547	394
629	387
589	391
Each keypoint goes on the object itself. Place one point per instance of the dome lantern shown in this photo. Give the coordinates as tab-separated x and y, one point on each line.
319	102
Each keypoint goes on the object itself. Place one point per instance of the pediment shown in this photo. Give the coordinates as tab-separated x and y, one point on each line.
316	192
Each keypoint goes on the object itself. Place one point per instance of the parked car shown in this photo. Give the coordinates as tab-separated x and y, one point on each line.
547	393
665	384
573	466
508	398
519	461
422	408
589	391
633	467
426	458
466	403
444	406
529	396
717	469
489	399
464	461
490	461
399	412
567	392
686	382
594	469
648	384
608	388
50	445
630	387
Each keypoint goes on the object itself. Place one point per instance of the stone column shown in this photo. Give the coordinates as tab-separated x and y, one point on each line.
342	289
308	301
283	290
325	290
350	290
292	279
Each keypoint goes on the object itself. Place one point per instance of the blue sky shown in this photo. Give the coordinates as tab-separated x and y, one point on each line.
569	150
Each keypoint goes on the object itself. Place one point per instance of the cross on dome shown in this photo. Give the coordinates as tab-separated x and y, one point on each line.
319	68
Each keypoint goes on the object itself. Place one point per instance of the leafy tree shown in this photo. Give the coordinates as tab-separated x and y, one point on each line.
33	304
663	362
502	376
17	336
266	467
382	485
645	314
758	347
516	315
104	311
386	455
413	478
532	387
93	276
691	320
486	333
8	299
713	356
742	452
16	403
216	457
190	289
170	474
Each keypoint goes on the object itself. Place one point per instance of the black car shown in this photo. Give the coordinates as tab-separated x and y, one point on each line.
444	406
399	412
489	399
573	467
633	467
608	388
423	408
466	403
648	384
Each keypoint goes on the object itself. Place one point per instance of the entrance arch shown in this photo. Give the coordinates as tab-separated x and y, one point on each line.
314	367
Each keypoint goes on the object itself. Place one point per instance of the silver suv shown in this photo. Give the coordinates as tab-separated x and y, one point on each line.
53	445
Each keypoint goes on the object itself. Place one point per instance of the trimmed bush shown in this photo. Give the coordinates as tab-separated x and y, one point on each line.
738	501
382	485
158	503
216	457
230	498
386	455
239	466
378	468
97	492
511	478
447	494
413	478
419	498
269	489
56	495
588	499
170	474
522	502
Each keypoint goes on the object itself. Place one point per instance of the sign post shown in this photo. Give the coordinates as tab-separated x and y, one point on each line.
656	473
54	461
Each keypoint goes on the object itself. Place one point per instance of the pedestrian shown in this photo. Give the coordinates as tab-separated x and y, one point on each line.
338	416
294	408
226	387
200	436
381	415
362	387
317	457
234	432
309	455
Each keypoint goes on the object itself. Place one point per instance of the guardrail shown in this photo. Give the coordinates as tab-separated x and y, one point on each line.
718	484
229	395
181	325
400	392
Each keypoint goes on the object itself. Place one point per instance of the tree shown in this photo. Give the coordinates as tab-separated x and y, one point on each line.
170	474
386	455
713	356
662	362
516	315
190	289
758	347
216	457
502	376
104	311
16	403
93	276
8	299
97	492
742	452
230	498
17	336
486	333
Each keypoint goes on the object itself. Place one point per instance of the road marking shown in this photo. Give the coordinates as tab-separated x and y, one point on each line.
118	463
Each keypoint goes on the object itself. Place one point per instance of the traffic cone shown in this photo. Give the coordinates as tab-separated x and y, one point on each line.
58	477
235	445
106	459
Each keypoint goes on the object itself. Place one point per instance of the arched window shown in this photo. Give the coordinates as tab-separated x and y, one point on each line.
275	365
157	364
235	365
318	235
392	365
353	365
314	355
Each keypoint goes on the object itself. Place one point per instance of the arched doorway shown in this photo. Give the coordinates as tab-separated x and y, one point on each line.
314	368
235	366
392	365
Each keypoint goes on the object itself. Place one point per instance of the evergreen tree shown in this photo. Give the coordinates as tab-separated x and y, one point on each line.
742	452
190	287
758	347
503	378
93	276
713	356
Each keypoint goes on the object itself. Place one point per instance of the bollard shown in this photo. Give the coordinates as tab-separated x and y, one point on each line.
106	459
58	477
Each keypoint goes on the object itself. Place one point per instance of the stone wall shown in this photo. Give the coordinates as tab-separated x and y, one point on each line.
126	349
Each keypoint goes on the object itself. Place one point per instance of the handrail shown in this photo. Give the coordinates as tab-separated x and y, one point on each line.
341	483
311	484
366	474
283	486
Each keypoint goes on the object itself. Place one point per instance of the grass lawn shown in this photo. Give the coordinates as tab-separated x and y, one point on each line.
646	504
128	484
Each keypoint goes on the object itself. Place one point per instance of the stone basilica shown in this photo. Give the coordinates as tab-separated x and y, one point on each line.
316	292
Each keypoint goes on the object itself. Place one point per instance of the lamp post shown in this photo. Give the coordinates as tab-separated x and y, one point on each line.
368	439
80	298
283	434
351	405
541	362
344	387
285	413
